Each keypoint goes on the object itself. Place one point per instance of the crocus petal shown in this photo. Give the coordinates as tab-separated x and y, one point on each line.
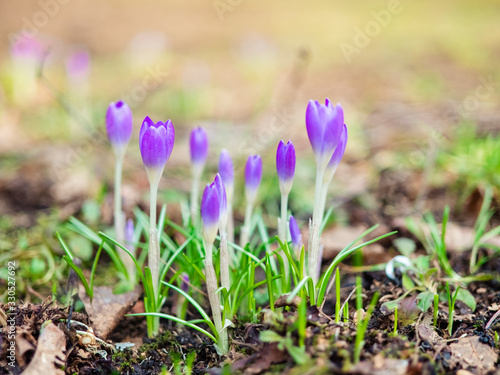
153	151
253	173
226	169
119	123
147	123
198	143
339	150
210	210
169	138
285	161
295	232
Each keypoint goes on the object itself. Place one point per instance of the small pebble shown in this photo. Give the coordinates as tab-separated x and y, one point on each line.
481	290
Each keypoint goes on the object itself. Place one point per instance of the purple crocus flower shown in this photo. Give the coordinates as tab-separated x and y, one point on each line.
119	124
221	189
78	65
285	165
226	170
198	143
210	212
295	233
253	175
26	47
156	142
324	126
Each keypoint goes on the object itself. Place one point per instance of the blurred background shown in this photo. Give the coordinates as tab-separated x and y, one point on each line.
419	82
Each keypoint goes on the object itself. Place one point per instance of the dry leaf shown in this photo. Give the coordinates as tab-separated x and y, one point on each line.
49	355
470	352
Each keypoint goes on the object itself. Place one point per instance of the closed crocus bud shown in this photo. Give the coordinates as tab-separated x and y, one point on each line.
295	233
324	126
210	212
221	189
226	171
119	125
253	175
198	143
285	165
156	142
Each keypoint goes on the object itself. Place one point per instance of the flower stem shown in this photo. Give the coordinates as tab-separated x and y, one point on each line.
224	261
213	297
245	231
230	232
195	187
119	218
313	251
282	234
154	248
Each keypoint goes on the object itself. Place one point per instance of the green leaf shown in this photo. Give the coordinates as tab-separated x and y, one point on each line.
405	246
407	282
466	297
270	336
425	300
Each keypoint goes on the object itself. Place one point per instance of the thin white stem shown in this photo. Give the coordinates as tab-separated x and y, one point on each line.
195	187
224	261
154	247
313	251
282	231
245	230
213	297
230	231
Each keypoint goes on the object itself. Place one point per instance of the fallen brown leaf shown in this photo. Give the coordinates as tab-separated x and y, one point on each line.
470	352
107	309
49	355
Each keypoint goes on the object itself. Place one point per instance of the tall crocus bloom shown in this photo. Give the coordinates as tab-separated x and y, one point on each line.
156	141
210	217
224	254
226	171
324	125
198	146
332	168
119	129
253	176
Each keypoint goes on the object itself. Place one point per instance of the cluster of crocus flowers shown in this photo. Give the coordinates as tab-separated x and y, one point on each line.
198	146
253	176
119	128
213	215
328	135
156	141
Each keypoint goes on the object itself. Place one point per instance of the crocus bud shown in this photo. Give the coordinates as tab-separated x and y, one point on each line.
324	126
285	165
253	175
156	142
295	233
119	125
198	143
78	66
226	171
26	47
210	212
221	189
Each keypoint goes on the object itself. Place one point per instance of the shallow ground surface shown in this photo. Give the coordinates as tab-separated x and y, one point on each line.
410	83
